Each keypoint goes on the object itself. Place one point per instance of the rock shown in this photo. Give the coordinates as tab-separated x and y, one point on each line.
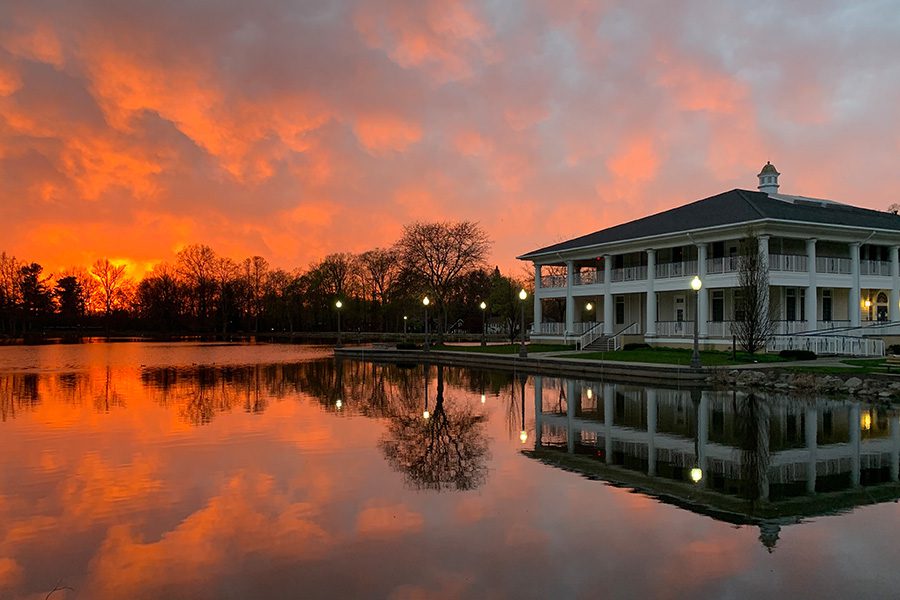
885	394
853	384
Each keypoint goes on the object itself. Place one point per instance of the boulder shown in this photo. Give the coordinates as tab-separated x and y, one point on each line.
853	384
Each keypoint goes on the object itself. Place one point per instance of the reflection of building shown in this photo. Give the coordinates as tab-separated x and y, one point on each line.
763	461
830	266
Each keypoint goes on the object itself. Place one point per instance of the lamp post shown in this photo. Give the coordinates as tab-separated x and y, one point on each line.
425	303
405	319
483	306
589	306
338	306
523	435
523	352
696	284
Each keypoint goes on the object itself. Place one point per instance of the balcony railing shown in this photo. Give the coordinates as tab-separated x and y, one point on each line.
588	277
630	273
725	264
790	327
875	267
676	269
553	281
796	263
842	324
675	329
720	329
830	264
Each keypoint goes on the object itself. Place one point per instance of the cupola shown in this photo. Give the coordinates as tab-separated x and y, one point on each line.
768	179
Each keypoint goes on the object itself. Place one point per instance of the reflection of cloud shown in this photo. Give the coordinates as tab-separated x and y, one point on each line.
386	521
10	573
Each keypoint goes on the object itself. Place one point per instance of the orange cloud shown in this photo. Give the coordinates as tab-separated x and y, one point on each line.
379	134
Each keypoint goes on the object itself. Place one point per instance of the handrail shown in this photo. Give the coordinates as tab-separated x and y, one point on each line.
589	335
617	338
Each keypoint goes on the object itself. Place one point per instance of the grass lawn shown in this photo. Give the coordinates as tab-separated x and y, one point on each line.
678	356
506	348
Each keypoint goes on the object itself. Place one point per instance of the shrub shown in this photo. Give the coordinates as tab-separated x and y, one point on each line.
408	346
636	346
798	354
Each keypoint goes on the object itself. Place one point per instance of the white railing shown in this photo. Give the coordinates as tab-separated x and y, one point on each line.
588	277
832	324
727	264
875	267
827	344
790	327
548	329
719	329
831	264
676	269
553	281
629	273
630	330
675	328
590	335
579	328
788	262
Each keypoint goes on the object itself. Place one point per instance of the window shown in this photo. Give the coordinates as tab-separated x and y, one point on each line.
620	310
791	304
826	305
718	306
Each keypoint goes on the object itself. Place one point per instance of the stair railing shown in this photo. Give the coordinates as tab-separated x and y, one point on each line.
592	333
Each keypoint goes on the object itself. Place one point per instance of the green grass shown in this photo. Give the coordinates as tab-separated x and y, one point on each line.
506	348
678	356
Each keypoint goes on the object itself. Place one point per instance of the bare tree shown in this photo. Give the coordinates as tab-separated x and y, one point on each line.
754	320
894	208
197	265
256	275
441	253
112	285
380	273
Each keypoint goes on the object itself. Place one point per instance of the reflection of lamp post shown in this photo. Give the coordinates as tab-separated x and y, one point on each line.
338	306
523	435
405	319
523	352
338	404
425	413
696	284
483	306
425	303
696	473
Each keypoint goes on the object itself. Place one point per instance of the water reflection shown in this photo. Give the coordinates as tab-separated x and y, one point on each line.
743	458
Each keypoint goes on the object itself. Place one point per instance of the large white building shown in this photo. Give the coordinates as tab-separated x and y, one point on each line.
831	267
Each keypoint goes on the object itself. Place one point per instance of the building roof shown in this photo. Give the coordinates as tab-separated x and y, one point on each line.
769	169
732	208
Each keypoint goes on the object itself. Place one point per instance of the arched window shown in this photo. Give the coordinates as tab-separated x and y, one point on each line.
881	298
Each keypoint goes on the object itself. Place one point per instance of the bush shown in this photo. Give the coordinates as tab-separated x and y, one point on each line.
636	346
408	346
798	354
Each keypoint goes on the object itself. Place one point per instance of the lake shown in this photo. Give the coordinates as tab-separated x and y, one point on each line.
152	470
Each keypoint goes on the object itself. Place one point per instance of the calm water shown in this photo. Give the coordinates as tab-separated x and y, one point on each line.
218	471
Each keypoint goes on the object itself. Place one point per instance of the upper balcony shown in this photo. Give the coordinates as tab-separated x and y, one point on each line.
875	267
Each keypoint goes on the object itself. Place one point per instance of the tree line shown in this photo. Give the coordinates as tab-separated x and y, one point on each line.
204	292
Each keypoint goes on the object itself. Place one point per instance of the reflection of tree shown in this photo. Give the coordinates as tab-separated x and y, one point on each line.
108	397
753	438
17	392
446	451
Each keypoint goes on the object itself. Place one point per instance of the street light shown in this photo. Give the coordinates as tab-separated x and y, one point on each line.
696	474
696	284
483	306
405	319
523	352
425	303
338	306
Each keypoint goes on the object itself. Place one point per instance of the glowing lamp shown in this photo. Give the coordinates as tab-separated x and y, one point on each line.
426	414
696	284
426	301
696	474
868	303
589	306
522	295
590	393
523	436
338	304
338	404
865	422
483	399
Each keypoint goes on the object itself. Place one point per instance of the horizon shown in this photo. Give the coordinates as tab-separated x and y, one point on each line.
297	131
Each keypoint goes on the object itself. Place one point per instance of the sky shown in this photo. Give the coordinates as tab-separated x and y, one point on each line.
293	129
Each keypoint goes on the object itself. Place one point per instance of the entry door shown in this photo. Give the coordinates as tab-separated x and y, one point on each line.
679	313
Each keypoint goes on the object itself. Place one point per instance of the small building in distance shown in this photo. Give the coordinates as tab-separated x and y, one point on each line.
832	269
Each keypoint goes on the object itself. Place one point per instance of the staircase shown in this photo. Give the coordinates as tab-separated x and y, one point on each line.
604	343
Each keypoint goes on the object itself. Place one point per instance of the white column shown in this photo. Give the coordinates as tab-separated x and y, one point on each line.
764	264
895	447
810	432
853	302
703	295
570	297
538	411
651	294
811	288
570	415
854	444
538	312
608	304
894	308
609	393
651	431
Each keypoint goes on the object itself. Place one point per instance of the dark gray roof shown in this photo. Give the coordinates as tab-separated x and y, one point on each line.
732	208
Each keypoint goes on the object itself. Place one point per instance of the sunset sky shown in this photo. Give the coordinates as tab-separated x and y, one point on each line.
293	129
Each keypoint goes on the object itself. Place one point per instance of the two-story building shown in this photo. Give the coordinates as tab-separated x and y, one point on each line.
830	266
